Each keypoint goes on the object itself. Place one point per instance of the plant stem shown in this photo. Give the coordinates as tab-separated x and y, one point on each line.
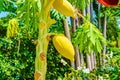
41	50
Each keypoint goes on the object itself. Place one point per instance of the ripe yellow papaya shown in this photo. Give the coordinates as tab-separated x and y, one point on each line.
64	46
64	7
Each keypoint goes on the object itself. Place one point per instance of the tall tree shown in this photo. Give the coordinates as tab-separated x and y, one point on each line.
67	33
77	54
104	33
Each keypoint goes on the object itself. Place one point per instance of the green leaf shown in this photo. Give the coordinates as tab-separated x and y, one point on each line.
98	46
1	5
92	35
89	38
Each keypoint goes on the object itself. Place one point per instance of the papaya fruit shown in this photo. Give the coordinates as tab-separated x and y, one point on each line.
64	46
64	7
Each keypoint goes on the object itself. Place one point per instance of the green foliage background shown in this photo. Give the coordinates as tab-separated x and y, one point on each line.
17	55
16	65
17	61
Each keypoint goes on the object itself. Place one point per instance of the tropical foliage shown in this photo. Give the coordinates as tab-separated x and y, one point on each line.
28	28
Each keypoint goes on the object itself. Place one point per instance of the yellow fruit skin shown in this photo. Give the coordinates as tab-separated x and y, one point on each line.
64	7
64	46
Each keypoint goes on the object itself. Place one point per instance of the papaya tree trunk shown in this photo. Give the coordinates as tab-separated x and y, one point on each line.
41	53
42	46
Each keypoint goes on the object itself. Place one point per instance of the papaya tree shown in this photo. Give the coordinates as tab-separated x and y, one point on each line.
43	35
42	20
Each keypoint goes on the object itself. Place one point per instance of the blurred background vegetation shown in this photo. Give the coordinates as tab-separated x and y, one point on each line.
17	54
